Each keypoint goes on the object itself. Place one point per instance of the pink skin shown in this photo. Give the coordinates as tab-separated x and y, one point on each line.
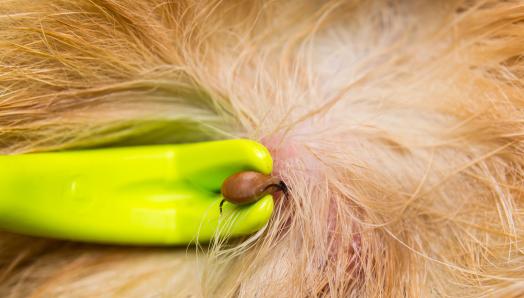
284	151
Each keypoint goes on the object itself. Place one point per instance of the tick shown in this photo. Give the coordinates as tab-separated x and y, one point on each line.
249	186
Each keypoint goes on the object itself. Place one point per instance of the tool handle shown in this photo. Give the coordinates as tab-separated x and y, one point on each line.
161	195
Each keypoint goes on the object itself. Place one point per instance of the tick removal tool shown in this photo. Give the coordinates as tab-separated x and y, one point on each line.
147	195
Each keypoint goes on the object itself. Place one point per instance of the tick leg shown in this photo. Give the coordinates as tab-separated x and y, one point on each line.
279	186
220	206
284	188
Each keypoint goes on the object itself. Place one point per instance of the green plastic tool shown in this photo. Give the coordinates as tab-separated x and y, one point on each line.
151	195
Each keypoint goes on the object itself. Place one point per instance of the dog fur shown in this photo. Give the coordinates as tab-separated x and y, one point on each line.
397	125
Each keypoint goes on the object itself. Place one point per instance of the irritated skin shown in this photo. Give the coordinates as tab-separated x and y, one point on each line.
397	124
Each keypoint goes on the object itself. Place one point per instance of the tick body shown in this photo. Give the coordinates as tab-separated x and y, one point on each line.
248	187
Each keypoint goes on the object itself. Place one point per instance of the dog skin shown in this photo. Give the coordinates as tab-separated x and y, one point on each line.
396	125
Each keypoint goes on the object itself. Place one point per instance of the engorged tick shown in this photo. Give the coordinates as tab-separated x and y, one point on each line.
249	186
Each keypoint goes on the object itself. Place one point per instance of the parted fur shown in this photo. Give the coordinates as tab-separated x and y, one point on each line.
397	125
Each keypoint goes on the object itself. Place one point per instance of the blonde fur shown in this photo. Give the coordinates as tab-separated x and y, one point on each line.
397	126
